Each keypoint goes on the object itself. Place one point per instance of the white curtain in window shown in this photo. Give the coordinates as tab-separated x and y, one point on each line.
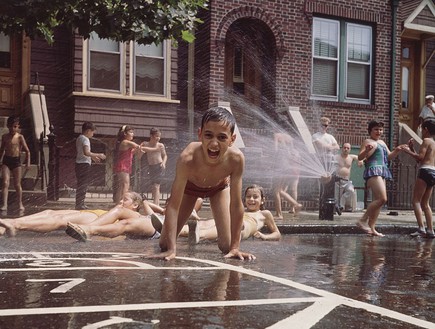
5	43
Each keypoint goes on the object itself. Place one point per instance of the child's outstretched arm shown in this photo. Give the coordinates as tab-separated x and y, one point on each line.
168	238
275	234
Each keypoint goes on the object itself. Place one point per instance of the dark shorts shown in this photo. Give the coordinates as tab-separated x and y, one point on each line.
156	172
11	162
427	175
205	192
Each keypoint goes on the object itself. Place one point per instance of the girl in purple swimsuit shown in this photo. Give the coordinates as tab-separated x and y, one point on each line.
376	155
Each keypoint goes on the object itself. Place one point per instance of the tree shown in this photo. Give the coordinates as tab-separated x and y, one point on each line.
145	21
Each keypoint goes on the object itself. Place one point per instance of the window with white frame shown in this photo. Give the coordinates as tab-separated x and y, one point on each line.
104	64
109	68
342	61
149	65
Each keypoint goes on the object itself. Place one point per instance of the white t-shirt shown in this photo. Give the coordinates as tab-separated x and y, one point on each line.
82	141
324	138
426	112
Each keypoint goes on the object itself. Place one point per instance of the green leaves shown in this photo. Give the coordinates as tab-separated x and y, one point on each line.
144	21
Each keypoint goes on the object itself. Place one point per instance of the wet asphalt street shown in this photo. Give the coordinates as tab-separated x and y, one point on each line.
302	281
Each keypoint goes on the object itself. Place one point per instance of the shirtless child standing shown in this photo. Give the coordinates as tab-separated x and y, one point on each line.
213	168
425	179
156	162
13	143
347	196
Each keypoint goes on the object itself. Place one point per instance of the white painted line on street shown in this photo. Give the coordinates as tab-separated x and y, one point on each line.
323	304
340	299
307	317
153	306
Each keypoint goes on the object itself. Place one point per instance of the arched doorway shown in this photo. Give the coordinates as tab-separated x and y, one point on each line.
250	77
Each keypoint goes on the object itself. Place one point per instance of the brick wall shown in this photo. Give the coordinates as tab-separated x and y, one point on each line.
291	25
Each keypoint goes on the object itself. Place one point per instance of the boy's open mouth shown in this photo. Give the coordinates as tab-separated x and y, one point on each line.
213	154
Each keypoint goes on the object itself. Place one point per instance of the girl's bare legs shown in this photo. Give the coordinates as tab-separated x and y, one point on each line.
114	214
123	185
277	199
132	226
293	191
379	193
6	176
296	206
45	224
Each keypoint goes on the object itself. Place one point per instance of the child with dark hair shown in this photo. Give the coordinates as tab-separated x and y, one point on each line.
123	160
211	168
83	162
255	218
156	162
425	179
376	155
12	144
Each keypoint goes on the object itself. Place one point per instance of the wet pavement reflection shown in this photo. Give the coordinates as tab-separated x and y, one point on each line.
303	281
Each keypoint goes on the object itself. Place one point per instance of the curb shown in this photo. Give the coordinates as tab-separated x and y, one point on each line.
342	229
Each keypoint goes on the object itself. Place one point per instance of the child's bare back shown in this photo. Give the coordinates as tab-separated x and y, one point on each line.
429	155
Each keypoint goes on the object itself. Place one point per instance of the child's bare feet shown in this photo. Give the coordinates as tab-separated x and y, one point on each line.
375	233
194	215
4	208
21	208
10	230
278	216
298	208
362	224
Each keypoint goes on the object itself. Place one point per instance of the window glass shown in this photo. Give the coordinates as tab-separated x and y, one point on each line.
359	45
342	71
5	51
104	64
405	87
325	57
326	38
149	69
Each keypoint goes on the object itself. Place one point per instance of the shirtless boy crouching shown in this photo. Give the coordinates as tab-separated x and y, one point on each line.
212	167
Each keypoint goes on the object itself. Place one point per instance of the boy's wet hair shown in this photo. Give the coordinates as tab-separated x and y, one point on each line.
373	124
217	114
154	131
429	124
88	126
136	198
12	120
257	187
